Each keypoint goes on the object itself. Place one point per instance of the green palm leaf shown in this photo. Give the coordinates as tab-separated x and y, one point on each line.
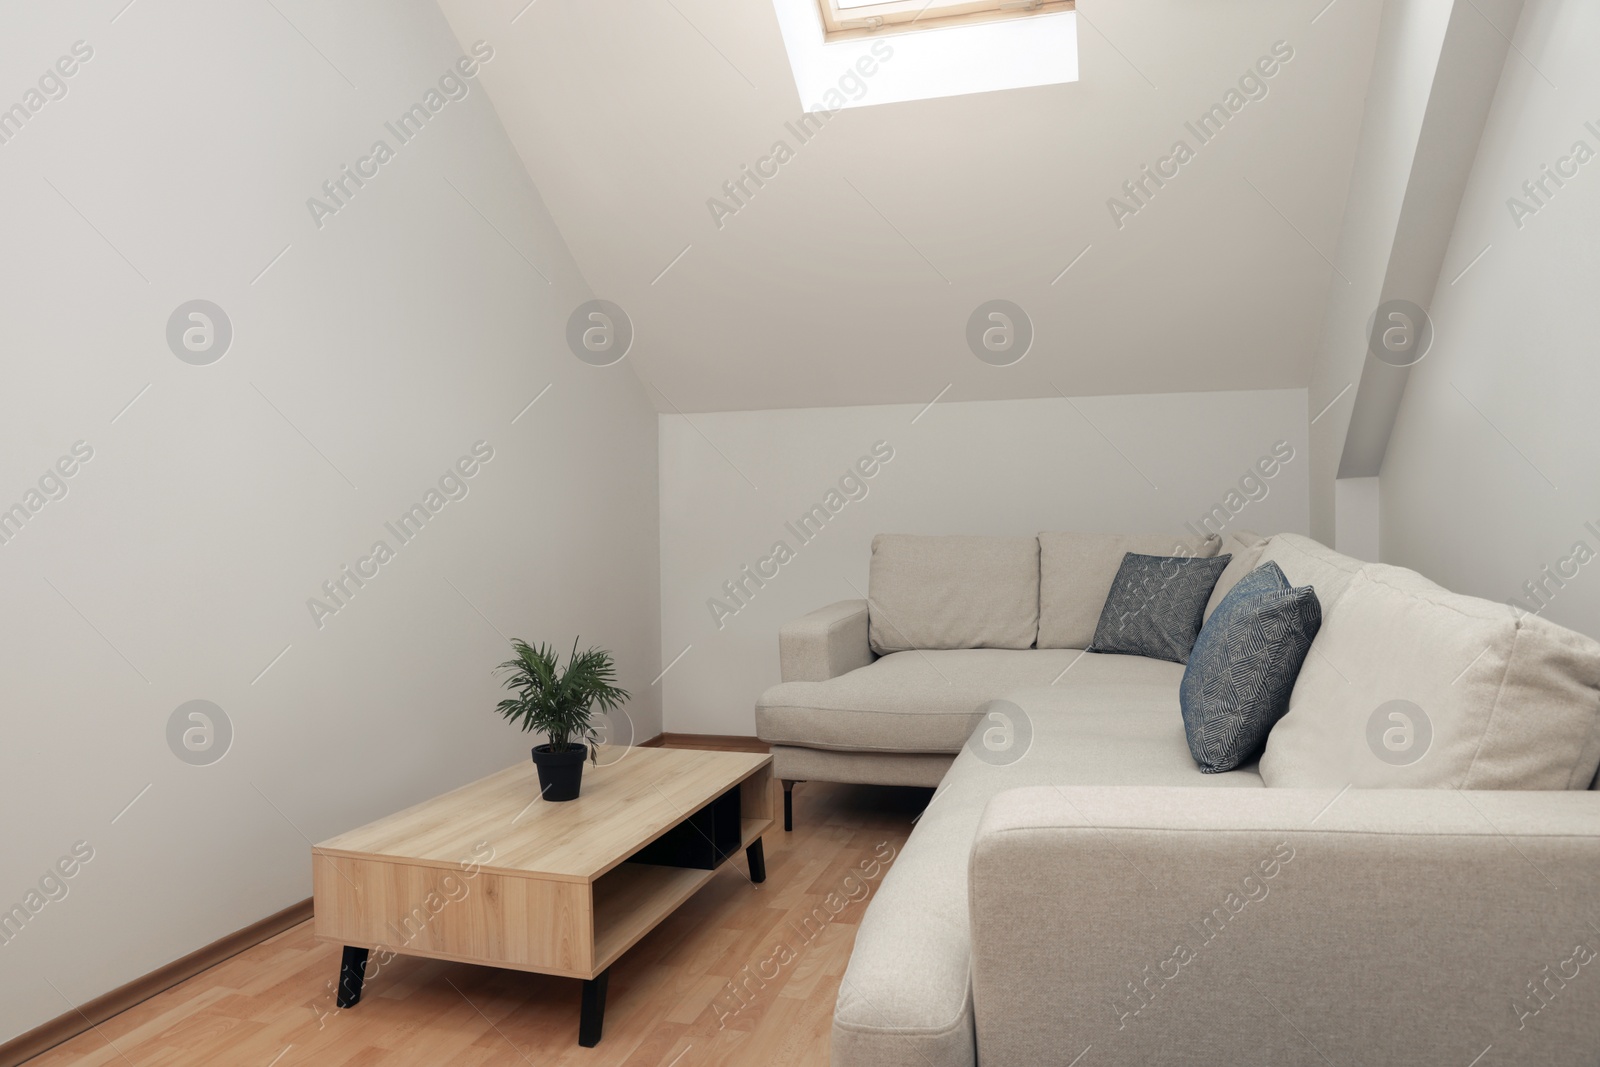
555	701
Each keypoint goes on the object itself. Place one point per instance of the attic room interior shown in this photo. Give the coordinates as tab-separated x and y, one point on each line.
870	533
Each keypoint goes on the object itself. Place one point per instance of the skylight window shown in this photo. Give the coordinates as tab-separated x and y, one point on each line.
854	53
856	18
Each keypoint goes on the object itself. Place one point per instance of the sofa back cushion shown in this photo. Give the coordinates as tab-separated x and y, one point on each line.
1244	551
1412	686
1307	562
1075	575
952	592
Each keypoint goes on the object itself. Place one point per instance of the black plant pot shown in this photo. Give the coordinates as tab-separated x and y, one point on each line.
560	773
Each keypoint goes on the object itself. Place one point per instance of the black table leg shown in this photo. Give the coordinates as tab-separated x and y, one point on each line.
593	1013
352	972
758	861
788	804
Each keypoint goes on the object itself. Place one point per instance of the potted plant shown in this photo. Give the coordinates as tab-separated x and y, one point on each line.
559	704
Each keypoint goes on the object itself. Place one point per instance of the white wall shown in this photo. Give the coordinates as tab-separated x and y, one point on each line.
179	564
1490	472
1357	525
1410	38
730	481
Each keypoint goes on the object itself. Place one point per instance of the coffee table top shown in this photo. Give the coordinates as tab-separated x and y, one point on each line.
625	804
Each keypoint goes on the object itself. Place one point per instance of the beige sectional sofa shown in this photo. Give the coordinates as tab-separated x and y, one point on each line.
1088	897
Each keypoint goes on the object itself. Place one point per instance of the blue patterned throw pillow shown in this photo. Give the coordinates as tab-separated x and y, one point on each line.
1156	605
1244	666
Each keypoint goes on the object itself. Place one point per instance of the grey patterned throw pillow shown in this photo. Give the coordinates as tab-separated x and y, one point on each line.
1156	605
1244	667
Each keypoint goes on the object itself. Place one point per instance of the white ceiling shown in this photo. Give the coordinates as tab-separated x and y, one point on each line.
849	278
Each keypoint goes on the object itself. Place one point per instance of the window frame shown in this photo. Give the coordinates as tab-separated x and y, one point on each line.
883	17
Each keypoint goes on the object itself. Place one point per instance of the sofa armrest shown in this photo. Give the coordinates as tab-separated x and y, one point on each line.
1219	926
825	643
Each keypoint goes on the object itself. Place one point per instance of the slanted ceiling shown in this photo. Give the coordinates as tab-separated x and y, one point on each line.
848	277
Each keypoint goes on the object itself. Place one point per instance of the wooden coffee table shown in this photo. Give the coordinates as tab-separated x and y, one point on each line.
492	874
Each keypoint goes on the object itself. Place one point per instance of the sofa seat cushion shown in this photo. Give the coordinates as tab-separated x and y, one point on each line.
929	701
952	592
1075	575
905	1000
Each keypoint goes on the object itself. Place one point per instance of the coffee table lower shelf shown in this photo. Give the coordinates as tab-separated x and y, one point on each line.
632	899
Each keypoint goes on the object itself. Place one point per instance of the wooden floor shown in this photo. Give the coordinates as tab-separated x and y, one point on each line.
670	1002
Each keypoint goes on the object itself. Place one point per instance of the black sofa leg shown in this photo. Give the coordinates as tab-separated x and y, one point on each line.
788	803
